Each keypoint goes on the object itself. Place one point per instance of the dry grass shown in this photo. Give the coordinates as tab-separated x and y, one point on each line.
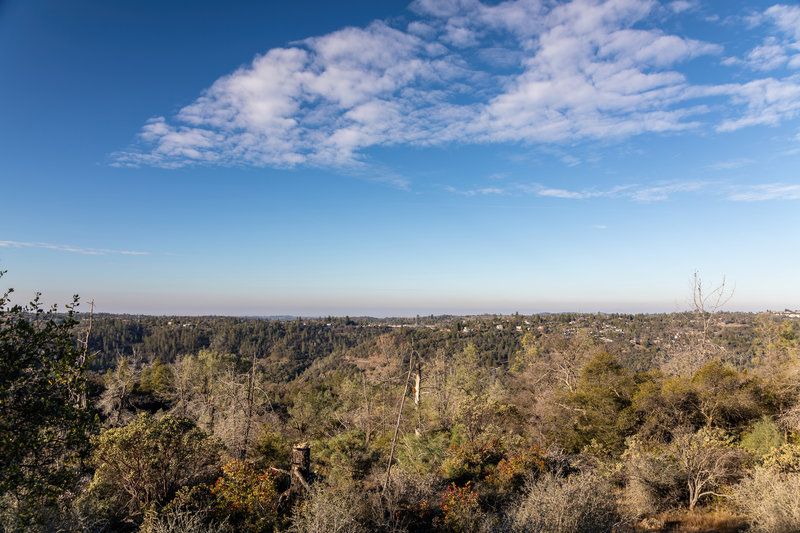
697	521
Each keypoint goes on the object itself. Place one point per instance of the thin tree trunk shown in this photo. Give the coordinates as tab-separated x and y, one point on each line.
397	425
250	401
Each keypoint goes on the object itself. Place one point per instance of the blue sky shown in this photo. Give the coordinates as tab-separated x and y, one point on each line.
395	158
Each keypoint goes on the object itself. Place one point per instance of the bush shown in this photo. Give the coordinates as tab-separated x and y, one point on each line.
652	480
147	461
245	497
329	510
408	504
578	503
468	461
763	437
190	511
461	509
44	425
785	459
770	501
513	471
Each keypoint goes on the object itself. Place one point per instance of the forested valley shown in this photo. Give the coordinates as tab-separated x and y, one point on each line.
554	422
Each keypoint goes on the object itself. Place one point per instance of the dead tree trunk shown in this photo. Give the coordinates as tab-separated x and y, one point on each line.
251	385
299	475
417	385
397	426
301	468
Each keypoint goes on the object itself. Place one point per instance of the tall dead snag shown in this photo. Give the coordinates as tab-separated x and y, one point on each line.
417	385
85	354
397	425
298	476
251	385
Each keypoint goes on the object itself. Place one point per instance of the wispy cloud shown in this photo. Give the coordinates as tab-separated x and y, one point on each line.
570	195
679	6
769	191
659	192
574	71
664	191
768	101
635	192
731	164
68	248
485	191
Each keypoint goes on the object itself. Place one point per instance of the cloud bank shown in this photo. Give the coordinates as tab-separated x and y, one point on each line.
521	71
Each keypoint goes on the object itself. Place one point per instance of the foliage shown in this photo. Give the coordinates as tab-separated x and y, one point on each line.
770	501
190	511
469	461
580	503
272	449
707	460
344	456
785	459
148	460
763	437
461	508
409	503
329	510
43	425
514	470
653	482
246	497
602	400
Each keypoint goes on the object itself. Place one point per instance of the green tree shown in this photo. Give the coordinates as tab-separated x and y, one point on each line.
148	460
602	402
43	429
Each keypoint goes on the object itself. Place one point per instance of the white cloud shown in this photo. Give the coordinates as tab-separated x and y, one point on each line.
584	69
68	248
731	164
765	101
770	191
563	193
659	192
663	192
679	6
638	193
779	50
485	191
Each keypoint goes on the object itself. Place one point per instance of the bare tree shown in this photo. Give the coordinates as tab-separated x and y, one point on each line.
706	304
695	347
706	462
119	387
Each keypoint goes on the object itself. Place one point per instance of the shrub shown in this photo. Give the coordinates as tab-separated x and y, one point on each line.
246	497
408	504
785	459
468	461
329	510
512	471
763	437
190	511
461	508
770	501
652	480
147	461
576	504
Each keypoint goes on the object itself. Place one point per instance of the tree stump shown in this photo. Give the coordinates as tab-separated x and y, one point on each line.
299	476
301	468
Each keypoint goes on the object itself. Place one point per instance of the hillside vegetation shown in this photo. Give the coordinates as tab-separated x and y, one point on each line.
553	422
